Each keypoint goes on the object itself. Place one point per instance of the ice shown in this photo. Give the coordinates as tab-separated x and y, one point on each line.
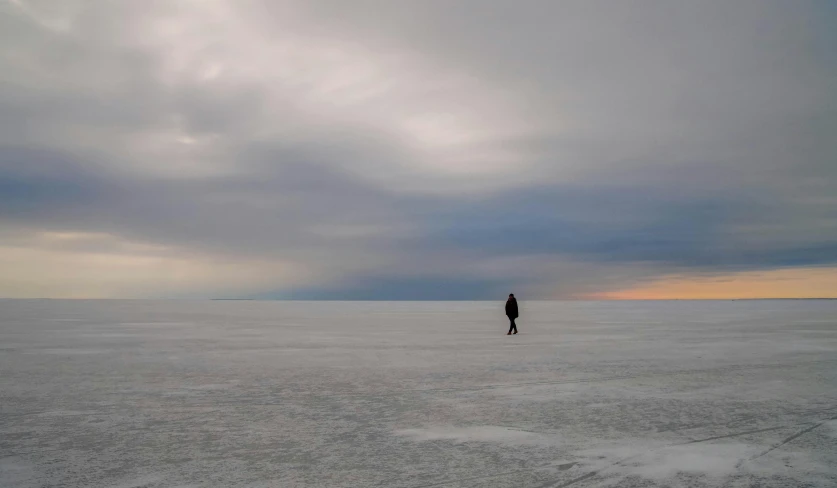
483	433
146	394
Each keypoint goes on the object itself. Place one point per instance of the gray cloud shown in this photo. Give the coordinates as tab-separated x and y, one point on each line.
401	150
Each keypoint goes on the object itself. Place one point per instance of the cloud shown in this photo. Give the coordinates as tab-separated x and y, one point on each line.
778	283
418	150
84	265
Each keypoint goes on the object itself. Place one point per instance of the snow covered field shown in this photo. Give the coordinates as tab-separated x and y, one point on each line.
131	394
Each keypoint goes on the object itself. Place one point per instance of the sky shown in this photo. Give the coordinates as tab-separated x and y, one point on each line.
427	149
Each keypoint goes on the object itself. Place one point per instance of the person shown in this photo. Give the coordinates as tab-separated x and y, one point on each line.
511	313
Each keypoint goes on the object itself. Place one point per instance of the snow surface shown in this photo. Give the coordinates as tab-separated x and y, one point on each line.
133	394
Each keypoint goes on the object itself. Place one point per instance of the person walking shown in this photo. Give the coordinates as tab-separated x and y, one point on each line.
511	313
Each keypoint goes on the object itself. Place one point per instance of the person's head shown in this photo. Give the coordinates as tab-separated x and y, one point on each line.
511	295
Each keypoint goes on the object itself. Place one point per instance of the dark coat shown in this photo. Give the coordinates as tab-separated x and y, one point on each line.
511	308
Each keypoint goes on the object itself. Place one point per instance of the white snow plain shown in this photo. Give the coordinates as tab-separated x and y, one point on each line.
142	394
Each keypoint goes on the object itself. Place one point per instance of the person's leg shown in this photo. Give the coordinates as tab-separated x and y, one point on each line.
514	325
511	325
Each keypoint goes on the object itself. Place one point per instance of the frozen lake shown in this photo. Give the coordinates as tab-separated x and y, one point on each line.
132	394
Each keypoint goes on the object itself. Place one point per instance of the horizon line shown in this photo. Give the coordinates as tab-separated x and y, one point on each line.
421	300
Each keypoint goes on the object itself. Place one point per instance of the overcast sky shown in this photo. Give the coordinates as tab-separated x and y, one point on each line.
418	149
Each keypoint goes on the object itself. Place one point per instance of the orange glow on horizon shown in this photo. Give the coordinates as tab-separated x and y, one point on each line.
784	283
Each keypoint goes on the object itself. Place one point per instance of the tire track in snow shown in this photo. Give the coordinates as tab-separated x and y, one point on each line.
591	474
785	441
